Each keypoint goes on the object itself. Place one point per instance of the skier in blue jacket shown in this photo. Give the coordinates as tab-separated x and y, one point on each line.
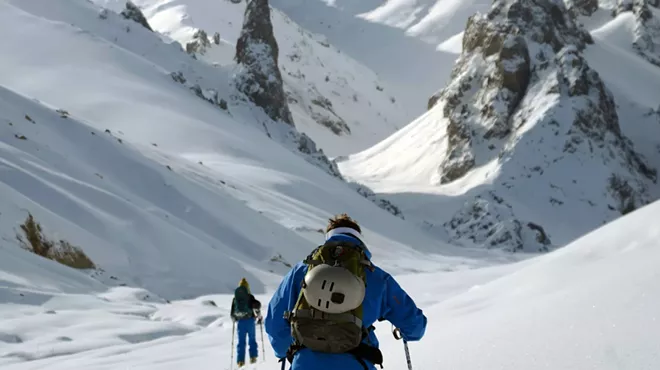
245	310
384	299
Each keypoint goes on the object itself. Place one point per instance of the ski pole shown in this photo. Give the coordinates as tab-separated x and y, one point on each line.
397	335
263	348
231	360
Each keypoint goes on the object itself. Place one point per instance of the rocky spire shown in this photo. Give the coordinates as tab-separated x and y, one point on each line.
259	76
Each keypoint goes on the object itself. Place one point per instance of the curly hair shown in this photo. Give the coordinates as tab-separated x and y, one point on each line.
342	220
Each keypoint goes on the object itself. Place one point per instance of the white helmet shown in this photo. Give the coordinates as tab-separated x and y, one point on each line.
333	289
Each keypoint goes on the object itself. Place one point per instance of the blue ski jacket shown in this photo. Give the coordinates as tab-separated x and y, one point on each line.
384	299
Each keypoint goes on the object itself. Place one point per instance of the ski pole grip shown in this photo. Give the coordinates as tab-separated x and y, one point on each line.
397	333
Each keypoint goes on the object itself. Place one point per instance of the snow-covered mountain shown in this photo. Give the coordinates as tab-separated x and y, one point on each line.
341	104
106	144
527	147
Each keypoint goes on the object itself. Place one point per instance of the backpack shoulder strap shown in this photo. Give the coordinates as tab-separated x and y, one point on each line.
309	260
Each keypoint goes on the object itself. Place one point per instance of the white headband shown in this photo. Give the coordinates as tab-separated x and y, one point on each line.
343	230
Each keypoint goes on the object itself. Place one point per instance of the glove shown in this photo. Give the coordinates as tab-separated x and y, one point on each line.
233	318
260	320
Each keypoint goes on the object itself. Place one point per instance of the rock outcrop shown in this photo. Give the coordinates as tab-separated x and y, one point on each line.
134	13
200	42
258	76
488	221
494	72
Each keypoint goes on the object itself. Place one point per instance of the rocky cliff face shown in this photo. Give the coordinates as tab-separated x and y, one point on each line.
259	76
502	52
524	99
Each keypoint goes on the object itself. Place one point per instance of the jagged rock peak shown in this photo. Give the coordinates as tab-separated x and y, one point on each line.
259	76
523	99
495	70
134	13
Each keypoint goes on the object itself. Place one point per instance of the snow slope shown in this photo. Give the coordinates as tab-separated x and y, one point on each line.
434	21
592	304
338	102
126	210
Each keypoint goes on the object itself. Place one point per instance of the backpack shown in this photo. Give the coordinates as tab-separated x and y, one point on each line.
327	316
242	303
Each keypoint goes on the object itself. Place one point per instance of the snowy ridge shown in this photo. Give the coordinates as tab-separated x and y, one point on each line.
434	21
202	80
411	67
635	90
632	24
527	134
81	184
646	31
644	25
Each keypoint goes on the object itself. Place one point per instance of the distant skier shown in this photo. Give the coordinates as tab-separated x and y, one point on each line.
321	315
245	310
